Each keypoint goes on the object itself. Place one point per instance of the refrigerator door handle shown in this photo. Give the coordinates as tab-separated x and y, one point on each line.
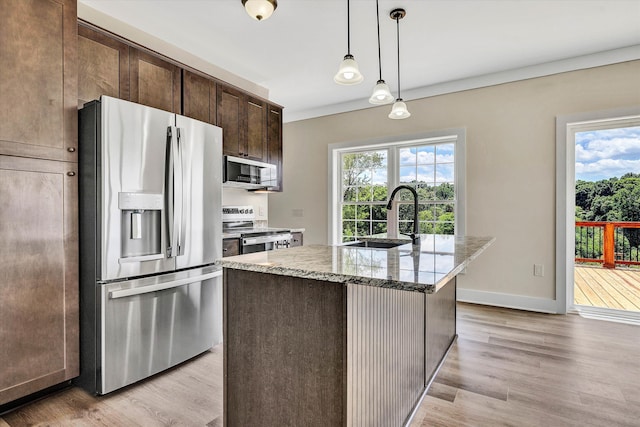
172	191
181	223
122	293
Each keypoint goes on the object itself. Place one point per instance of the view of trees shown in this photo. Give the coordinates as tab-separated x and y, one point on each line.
365	180
613	199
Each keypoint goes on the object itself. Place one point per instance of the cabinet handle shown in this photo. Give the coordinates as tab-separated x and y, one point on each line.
71	149
71	173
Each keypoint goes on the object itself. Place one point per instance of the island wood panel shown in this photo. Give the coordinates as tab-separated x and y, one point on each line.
38	79
285	350
39	270
103	66
154	82
440	320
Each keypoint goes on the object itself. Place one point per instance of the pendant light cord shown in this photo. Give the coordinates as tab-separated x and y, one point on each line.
348	31
398	38
379	56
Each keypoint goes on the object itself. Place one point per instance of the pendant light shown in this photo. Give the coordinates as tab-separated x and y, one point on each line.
381	94
348	73
399	109
260	9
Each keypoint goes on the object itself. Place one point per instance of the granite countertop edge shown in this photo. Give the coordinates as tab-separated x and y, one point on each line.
353	279
330	277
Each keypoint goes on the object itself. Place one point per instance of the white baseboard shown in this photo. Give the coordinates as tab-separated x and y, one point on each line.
519	302
609	314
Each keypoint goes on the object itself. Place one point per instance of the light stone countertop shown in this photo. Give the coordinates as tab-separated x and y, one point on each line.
439	259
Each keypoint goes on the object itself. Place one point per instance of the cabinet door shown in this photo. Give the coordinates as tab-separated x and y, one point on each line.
154	82
296	239
103	66
274	141
230	247
38	78
256	129
230	107
39	286
199	100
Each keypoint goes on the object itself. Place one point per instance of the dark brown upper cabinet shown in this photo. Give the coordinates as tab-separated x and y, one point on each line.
230	119
154	82
103	66
274	140
243	120
199	97
256	128
38	79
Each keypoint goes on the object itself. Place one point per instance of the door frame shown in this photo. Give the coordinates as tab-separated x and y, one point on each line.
566	126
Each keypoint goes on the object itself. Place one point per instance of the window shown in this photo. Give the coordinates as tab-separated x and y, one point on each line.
430	170
364	194
365	175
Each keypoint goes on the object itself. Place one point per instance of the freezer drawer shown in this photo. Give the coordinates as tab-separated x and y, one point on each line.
151	324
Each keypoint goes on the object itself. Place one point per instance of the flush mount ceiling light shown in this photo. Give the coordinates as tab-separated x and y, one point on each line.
381	94
399	109
260	9
348	73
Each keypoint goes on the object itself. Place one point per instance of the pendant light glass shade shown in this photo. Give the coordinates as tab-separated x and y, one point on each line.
260	9
399	110
348	73
381	94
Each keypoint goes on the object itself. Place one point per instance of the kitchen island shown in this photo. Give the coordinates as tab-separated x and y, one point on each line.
338	335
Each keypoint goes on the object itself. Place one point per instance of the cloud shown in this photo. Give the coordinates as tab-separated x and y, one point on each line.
607	153
607	149
606	168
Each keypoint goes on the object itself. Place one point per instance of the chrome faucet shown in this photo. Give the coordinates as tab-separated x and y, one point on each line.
415	236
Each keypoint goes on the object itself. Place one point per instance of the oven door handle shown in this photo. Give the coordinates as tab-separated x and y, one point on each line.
122	293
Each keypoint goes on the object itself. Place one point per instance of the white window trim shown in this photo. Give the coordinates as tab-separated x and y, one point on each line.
334	185
566	127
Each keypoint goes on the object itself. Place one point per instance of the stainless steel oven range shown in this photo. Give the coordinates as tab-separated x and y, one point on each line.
240	220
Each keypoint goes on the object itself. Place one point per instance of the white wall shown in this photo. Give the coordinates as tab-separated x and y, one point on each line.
510	169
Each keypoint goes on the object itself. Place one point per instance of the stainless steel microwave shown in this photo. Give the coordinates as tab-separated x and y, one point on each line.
249	174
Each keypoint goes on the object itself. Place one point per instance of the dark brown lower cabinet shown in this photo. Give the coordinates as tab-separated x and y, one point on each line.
38	275
230	247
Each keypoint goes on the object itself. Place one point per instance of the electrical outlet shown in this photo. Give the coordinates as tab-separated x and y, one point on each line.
538	270
260	211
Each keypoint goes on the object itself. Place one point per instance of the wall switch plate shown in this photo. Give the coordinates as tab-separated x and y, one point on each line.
538	270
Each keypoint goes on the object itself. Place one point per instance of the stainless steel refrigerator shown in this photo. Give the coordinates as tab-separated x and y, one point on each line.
150	231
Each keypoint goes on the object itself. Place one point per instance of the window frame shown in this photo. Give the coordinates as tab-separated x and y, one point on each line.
392	145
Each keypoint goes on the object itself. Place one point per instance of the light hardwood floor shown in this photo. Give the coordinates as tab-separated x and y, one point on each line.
507	368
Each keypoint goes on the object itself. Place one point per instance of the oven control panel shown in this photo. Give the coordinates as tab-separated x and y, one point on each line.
237	213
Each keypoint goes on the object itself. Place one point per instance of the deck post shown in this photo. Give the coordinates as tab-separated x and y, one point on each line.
608	244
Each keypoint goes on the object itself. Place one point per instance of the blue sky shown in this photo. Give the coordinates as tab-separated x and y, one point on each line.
607	153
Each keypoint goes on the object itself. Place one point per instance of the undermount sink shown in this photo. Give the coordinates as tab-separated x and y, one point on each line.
379	245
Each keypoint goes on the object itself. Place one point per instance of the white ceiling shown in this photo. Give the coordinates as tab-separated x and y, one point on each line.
296	52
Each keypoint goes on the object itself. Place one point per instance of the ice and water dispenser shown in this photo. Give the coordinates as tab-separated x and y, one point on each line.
141	226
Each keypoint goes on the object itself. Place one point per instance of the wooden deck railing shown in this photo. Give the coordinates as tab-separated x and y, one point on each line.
606	243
